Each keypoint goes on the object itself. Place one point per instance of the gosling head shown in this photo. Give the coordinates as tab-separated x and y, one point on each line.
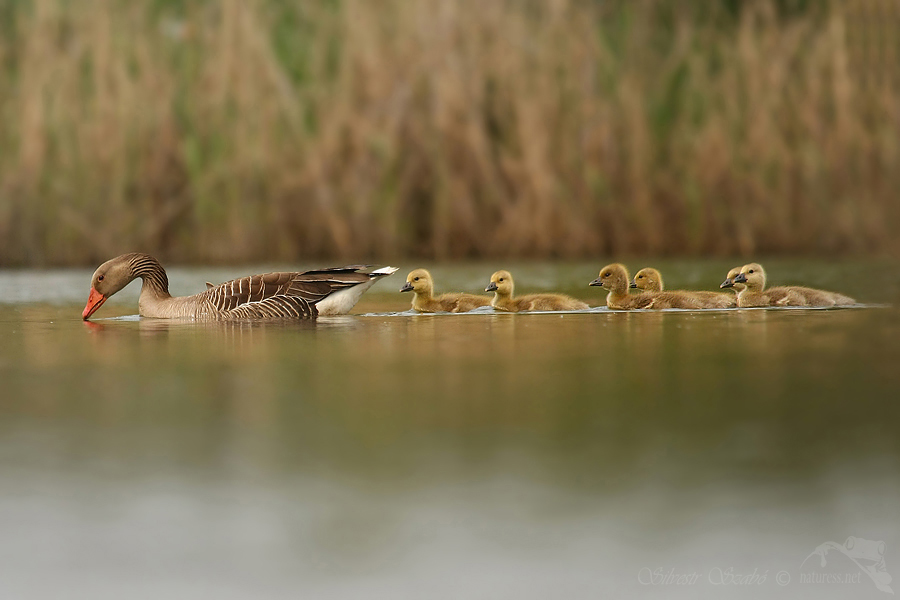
501	284
418	281
647	279
753	276
729	280
613	277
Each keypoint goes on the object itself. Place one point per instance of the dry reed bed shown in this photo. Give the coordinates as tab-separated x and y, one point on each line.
250	131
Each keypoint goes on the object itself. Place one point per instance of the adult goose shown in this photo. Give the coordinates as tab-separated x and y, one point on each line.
285	295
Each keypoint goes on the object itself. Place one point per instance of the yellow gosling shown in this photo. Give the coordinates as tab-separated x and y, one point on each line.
420	283
614	278
729	281
756	295
502	286
730	284
754	277
649	279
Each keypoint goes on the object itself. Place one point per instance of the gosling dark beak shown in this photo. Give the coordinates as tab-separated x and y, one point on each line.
407	287
597	282
492	287
727	284
632	284
741	278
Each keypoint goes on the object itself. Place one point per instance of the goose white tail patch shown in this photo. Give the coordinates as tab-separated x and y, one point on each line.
342	301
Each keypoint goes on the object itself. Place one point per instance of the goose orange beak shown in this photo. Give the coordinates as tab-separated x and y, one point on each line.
95	301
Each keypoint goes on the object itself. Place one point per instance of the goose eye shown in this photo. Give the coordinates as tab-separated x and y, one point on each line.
100	278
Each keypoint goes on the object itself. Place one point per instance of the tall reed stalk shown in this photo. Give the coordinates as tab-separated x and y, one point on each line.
356	129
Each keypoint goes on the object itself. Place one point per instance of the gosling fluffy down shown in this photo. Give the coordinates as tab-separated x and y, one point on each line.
421	284
614	278
753	276
649	279
502	286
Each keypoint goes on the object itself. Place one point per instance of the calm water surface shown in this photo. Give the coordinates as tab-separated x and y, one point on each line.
385	455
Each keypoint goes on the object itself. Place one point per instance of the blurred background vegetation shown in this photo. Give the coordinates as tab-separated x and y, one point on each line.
270	130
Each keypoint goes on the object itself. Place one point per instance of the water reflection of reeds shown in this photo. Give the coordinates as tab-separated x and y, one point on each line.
589	398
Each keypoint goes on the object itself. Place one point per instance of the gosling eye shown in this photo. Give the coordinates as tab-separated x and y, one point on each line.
751	270
640	276
415	278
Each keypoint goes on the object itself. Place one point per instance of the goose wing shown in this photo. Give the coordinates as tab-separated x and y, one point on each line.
279	294
276	307
319	283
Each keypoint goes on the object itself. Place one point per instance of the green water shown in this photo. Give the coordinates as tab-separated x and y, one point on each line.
385	455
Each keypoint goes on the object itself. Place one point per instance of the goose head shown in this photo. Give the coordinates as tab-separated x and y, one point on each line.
647	279
501	284
753	276
109	278
418	281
